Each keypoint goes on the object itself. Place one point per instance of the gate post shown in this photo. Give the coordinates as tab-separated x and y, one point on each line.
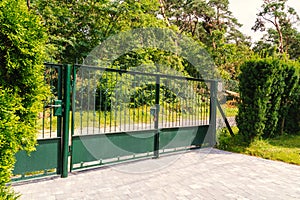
156	136
66	120
213	113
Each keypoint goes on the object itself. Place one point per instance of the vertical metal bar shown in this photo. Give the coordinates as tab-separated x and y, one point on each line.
94	100
129	108
189	103
59	119
110	95
172	103
138	114
213	112
169	106
51	121
50	110
73	109
194	104
186	103
116	103
156	136
151	89
143	117
176	105
120	102
105	101
182	104
100	101
66	119
134	100
198	105
43	122
88	102
73	100
207	111
146	114
162	118
125	107
81	103
59	96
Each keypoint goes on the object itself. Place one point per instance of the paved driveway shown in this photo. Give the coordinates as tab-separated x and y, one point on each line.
199	174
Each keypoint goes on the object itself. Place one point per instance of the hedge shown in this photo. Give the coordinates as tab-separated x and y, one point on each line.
22	89
269	89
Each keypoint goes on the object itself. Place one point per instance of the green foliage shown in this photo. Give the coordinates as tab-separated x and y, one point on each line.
267	88
10	126
229	143
76	27
291	122
7	194
22	89
228	58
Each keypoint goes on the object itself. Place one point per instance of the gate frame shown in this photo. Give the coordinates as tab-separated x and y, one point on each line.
67	87
211	131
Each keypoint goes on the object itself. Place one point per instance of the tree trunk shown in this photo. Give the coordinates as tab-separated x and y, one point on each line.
278	29
28	4
162	9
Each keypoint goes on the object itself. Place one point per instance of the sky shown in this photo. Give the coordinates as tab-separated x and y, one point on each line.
245	11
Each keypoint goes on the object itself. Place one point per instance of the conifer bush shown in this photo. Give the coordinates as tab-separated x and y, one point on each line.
269	89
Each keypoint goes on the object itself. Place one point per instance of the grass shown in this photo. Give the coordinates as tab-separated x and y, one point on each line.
230	109
284	148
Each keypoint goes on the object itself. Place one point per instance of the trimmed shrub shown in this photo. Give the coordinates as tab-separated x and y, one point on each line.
22	89
268	88
290	121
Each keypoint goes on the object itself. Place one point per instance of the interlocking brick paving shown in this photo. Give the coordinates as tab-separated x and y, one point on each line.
198	174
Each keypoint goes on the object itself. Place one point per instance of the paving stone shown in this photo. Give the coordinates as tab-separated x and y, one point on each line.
205	174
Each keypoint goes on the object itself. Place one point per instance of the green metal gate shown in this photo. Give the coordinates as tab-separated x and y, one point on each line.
122	115
115	116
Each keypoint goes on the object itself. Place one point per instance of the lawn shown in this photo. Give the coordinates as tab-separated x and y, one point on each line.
284	148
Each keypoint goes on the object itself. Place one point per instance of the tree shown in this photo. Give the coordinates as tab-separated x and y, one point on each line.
206	21
281	17
76	27
212	23
267	45
22	89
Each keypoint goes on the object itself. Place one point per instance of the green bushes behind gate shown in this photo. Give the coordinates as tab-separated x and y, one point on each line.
269	90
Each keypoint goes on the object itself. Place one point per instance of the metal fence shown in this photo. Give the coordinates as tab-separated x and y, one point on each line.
117	115
109	100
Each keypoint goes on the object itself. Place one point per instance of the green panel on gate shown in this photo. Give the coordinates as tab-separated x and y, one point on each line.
182	137
202	136
45	157
96	147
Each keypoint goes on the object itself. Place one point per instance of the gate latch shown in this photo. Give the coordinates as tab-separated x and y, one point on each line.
57	107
